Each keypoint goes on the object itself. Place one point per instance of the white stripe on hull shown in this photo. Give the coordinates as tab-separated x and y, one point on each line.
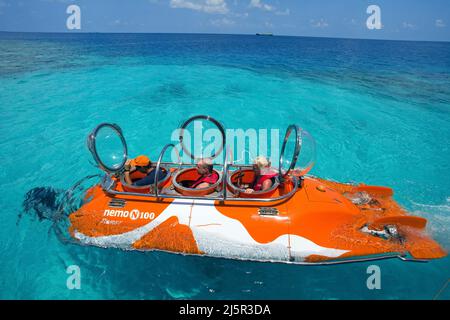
218	235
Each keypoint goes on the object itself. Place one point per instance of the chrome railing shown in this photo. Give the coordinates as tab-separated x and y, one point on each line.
108	186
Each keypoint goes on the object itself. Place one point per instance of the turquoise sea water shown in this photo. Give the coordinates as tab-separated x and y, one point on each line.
379	111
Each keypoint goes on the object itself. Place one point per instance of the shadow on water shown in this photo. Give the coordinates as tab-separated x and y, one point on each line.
55	205
41	202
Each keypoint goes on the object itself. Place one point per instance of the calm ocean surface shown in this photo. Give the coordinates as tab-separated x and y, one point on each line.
379	111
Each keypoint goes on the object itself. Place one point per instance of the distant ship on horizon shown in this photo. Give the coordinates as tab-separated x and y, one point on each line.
264	34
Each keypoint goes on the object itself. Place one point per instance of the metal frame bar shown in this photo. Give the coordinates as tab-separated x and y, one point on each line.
328	262
158	165
359	260
107	186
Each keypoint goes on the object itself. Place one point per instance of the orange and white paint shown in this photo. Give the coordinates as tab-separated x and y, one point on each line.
318	223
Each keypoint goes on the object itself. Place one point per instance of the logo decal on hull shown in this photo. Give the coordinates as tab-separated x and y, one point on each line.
134	214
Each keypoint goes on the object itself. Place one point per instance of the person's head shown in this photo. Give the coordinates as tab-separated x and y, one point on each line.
260	163
142	163
204	166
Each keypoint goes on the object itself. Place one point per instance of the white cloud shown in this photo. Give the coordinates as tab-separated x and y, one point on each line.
440	23
267	7
283	13
319	23
224	22
208	6
239	15
408	25
263	6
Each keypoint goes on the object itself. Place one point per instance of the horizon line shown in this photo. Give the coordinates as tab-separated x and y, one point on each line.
220	34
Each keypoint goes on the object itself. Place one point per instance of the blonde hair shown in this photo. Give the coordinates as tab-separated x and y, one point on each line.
261	162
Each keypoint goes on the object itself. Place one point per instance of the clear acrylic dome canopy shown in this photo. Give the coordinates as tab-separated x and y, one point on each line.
298	153
202	137
108	147
307	154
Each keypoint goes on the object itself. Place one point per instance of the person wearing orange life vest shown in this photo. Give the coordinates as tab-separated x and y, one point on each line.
264	175
139	172
207	175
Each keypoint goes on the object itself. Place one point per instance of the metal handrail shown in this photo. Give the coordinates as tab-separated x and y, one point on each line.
225	174
107	187
158	165
108	184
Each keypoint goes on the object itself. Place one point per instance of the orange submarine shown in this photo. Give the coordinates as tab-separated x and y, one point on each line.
300	219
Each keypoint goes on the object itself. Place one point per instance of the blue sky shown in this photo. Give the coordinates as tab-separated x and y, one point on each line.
401	19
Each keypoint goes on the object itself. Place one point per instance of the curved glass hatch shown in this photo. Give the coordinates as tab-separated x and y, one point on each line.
108	147
109	150
197	130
